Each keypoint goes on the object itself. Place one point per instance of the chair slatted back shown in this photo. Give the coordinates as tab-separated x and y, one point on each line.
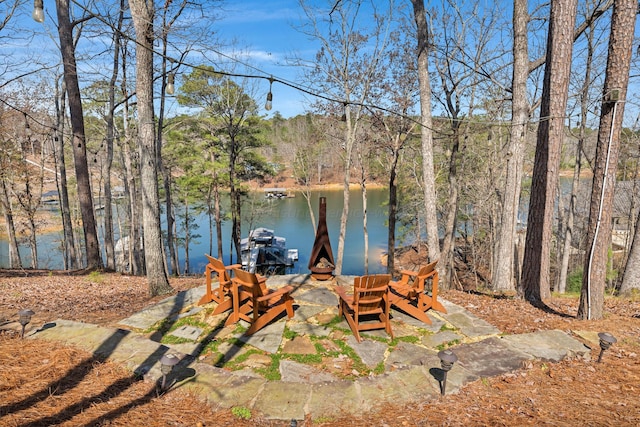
250	281
218	266
424	273
370	293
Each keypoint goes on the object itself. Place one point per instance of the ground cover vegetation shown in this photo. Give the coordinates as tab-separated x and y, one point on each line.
53	384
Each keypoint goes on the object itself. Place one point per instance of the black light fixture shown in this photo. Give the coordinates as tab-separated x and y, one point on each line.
606	341
38	11
447	359
25	318
269	104
343	118
167	362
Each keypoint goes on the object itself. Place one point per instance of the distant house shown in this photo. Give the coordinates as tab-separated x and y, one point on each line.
50	198
626	202
117	192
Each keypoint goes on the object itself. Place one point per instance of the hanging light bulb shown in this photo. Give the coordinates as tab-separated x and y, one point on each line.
344	113
170	88
269	104
38	11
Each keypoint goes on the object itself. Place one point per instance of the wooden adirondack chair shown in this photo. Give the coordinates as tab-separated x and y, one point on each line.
370	298
264	305
222	295
409	295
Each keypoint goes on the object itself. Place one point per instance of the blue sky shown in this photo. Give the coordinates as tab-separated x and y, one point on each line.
262	30
265	30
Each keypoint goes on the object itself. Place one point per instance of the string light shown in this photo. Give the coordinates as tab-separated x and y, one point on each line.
38	15
269	104
170	88
38	11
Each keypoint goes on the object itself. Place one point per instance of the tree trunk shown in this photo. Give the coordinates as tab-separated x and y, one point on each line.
535	286
187	235
567	237
14	253
236	228
446	263
504	270
70	259
92	247
166	172
108	210
393	209
606	162
217	214
428	174
349	143
365	231
131	195
142	14
631	277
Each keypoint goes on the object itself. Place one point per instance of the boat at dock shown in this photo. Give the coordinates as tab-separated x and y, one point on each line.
277	193
265	253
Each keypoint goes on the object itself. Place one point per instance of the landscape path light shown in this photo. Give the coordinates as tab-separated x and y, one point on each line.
606	341
167	362
25	318
447	359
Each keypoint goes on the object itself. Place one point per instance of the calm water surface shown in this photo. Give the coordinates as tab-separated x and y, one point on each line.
289	218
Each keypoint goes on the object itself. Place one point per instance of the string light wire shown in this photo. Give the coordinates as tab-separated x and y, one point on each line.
273	79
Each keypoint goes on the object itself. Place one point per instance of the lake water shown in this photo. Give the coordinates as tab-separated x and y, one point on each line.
289	218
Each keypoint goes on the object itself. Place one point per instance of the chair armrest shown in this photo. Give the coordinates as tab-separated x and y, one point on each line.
429	274
400	287
409	273
274	293
231	267
342	293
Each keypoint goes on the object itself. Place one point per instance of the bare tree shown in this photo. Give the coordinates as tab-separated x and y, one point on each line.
67	48
9	157
110	138
504	270
131	163
535	285
604	178
142	12
71	260
428	172
344	69
567	220
169	18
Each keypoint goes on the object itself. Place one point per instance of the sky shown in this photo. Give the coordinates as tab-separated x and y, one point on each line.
265	30
262	30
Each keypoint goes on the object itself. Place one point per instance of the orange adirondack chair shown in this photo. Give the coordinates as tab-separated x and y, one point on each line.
222	295
370	298
264	304
409	295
